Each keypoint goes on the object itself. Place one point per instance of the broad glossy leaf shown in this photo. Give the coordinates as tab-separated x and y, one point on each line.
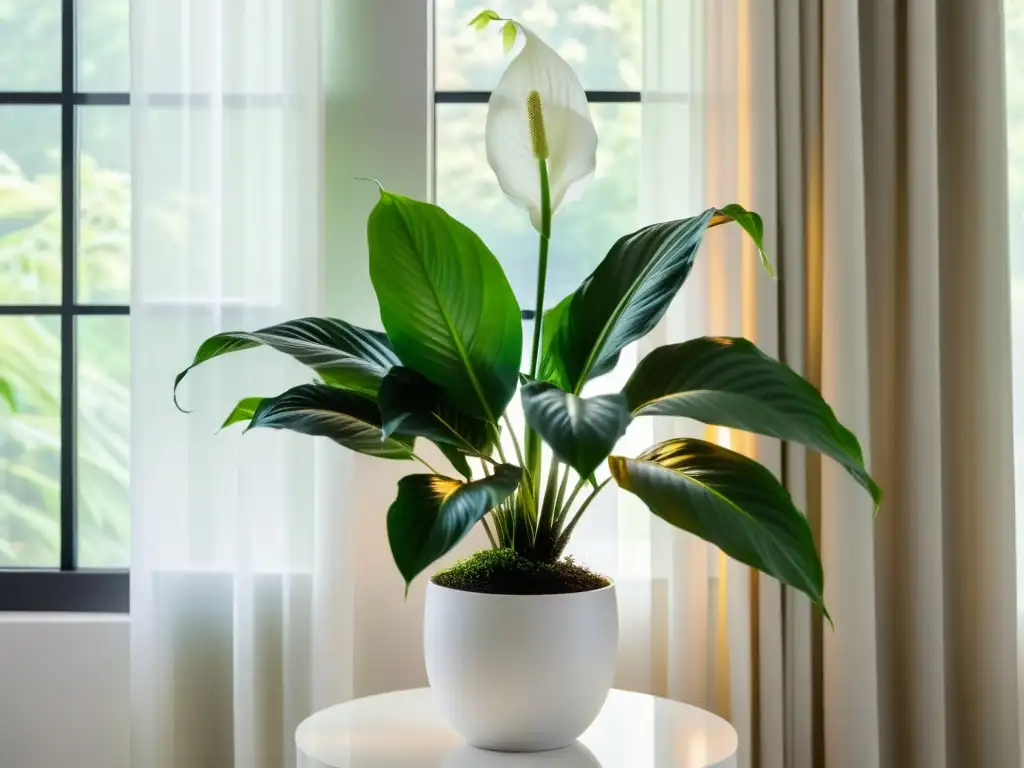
344	355
445	303
581	431
729	500
730	382
432	513
244	411
347	418
411	404
621	300
625	297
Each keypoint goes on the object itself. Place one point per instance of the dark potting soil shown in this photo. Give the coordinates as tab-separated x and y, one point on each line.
506	572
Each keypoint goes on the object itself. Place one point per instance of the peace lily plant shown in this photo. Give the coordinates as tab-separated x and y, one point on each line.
447	366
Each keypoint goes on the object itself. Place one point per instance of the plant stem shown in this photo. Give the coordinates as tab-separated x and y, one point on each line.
568	504
533	445
547	514
515	440
487	530
542	263
425	464
559	516
564	538
497	441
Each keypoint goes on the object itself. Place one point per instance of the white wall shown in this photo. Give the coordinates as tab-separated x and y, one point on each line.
64	691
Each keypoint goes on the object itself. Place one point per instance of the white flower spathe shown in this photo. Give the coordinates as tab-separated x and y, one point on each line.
569	131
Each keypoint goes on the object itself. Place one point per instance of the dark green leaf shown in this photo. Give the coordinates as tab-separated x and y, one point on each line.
432	513
621	301
411	404
581	431
730	501
445	303
343	354
347	418
731	383
626	296
243	411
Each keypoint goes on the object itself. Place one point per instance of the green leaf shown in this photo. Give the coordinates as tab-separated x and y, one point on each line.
751	224
729	500
244	411
432	513
445	303
581	431
626	296
347	418
621	301
508	37
482	19
731	383
343	354
410	404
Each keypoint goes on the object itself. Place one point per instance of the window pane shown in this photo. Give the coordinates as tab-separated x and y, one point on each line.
30	262
102	45
104	215
30	45
104	521
581	232
30	443
600	39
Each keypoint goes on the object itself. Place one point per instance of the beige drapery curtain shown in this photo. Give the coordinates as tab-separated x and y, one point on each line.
871	136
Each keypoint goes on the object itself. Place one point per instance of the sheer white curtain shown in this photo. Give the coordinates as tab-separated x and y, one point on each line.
263	587
228	583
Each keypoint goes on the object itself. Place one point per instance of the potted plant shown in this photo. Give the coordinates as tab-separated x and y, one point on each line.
520	643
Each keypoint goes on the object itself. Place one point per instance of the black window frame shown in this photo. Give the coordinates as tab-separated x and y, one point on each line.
67	589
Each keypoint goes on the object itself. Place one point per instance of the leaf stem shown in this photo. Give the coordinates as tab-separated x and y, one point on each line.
515	440
564	538
487	530
425	464
497	441
547	513
559	516
564	511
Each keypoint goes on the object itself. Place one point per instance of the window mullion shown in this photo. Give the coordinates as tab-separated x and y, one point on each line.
68	386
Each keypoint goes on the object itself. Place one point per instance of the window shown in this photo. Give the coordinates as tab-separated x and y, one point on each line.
64	285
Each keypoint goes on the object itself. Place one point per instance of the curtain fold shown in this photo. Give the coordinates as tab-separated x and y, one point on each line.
871	136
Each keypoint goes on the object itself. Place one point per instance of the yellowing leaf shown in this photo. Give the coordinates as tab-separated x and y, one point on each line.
508	35
482	19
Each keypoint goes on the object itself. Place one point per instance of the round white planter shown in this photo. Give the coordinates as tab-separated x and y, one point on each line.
520	673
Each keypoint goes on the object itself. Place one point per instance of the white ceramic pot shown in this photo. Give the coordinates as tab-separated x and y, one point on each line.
520	673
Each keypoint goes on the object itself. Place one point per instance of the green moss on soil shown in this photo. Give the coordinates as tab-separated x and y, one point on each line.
505	572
